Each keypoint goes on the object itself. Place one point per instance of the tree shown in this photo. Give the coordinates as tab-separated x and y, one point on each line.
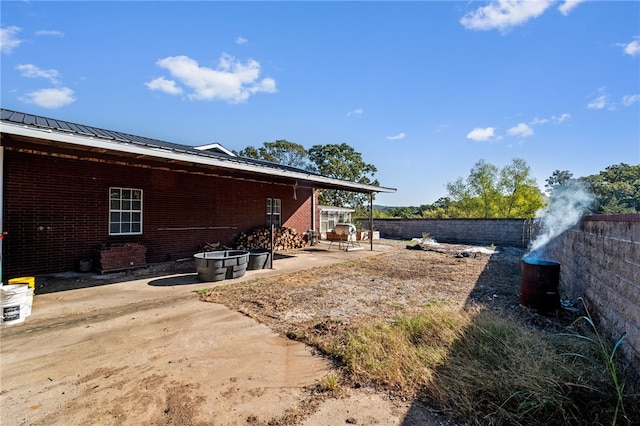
617	189
491	192
341	162
462	197
557	178
483	181
522	197
280	152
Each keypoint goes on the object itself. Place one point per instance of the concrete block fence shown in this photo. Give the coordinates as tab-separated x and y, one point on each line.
600	262
509	232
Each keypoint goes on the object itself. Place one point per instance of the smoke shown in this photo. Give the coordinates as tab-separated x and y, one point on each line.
567	204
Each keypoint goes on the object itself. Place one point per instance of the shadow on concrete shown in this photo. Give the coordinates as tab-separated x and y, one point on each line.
64	281
176	281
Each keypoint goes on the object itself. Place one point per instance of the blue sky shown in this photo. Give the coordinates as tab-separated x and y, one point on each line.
423	90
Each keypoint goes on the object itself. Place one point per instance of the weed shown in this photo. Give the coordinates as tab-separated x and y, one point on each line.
402	354
481	367
329	383
203	292
607	356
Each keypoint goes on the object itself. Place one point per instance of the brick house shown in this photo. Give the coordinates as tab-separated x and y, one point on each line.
69	188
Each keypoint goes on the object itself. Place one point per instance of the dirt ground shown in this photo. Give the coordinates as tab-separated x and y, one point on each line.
176	360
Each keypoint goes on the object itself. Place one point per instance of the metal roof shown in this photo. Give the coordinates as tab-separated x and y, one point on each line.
29	125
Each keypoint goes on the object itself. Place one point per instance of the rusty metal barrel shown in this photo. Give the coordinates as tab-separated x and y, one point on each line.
539	281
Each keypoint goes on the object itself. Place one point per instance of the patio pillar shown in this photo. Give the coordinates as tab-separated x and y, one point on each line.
371	220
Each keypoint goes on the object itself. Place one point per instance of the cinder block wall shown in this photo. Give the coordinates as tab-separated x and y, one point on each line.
510	232
600	261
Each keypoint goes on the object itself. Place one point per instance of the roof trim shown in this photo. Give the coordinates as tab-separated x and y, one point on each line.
336	209
175	152
215	147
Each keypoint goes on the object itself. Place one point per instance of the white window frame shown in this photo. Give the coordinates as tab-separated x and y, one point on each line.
274	212
125	211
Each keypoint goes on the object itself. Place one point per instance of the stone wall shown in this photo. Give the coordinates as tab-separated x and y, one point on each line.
600	262
509	232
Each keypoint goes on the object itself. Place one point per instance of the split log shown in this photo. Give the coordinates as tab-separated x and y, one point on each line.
210	247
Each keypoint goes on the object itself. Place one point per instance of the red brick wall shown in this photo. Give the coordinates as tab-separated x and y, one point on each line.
56	210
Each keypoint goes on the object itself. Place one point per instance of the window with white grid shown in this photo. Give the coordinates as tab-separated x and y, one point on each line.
125	211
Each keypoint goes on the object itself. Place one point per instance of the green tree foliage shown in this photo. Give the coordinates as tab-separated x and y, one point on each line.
515	193
520	194
617	189
557	178
490	192
341	162
463	201
335	161
280	152
483	182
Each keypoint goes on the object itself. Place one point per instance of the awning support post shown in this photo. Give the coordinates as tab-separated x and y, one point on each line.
371	220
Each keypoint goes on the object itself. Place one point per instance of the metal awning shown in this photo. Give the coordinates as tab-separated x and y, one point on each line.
107	141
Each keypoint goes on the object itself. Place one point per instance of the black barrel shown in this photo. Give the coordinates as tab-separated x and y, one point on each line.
539	281
258	259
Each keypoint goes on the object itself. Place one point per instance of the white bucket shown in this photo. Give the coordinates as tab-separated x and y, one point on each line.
14	303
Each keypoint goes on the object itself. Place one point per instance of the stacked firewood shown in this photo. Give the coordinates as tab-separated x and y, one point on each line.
260	238
211	247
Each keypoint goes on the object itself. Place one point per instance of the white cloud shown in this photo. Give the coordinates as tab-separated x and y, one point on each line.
442	128
32	71
553	119
504	14
241	40
53	33
566	7
598	103
232	81
561	118
537	121
521	130
163	85
628	100
9	39
50	98
357	111
481	135
632	48
600	100
397	137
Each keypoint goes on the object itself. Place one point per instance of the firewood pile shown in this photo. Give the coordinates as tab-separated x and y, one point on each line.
260	238
211	247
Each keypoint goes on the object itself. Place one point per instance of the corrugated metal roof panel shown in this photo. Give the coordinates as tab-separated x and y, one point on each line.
62	125
234	162
28	119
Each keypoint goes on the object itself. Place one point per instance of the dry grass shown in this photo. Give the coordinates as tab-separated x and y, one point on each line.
448	331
